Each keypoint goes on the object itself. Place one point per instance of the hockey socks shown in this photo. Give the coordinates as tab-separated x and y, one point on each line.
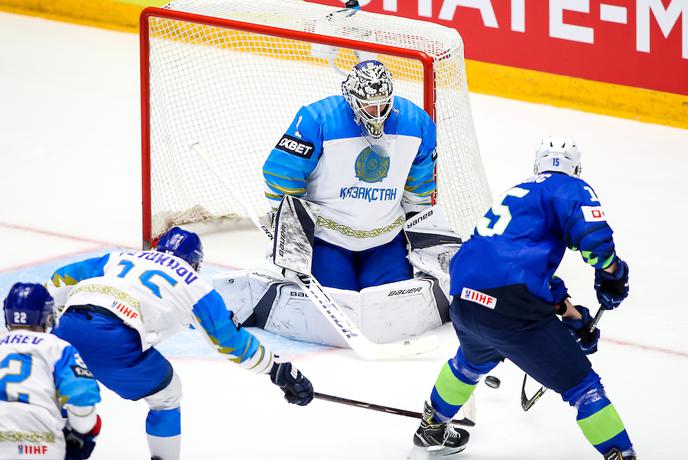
597	417
455	384
164	429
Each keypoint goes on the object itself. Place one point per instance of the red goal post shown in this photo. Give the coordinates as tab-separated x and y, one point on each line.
198	66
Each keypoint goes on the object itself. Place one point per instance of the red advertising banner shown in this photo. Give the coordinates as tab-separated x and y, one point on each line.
640	43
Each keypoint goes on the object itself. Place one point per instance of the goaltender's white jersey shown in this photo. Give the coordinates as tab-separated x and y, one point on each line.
39	375
359	182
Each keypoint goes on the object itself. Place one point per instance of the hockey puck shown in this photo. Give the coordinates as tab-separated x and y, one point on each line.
492	381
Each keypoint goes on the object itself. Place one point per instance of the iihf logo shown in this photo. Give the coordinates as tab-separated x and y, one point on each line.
32	450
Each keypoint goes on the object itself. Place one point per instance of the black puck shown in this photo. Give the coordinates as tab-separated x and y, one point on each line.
492	381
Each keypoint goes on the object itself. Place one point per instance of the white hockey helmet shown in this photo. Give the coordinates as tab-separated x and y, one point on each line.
368	89
559	154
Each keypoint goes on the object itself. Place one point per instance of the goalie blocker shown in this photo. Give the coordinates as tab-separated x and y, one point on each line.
384	313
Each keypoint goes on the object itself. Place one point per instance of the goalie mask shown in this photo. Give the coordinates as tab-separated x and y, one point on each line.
559	154
368	91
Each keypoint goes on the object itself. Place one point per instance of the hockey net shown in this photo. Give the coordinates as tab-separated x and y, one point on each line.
227	77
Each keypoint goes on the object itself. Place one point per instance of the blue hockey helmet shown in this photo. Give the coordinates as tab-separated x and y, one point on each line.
183	244
28	304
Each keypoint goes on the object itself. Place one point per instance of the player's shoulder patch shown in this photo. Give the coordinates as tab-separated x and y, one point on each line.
82	372
295	146
593	214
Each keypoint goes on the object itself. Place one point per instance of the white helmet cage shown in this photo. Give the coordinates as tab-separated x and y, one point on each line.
368	90
559	154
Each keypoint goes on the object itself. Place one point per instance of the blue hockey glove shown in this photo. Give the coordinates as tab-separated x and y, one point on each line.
612	288
79	446
558	289
297	388
580	330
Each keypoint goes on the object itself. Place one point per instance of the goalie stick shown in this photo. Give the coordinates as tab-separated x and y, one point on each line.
527	403
323	301
468	408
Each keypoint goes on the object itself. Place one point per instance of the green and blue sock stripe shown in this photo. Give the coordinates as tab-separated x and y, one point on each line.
455	384
605	430
597	417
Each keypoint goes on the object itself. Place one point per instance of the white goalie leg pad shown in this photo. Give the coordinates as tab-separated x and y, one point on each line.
293	315
434	261
265	299
243	291
400	310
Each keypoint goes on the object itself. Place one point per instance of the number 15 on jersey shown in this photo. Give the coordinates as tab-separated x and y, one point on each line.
490	227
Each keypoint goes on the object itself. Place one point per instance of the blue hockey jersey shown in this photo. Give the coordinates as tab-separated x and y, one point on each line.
521	240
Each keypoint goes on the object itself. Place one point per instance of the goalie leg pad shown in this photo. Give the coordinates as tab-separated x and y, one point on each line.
249	294
401	310
266	300
293	315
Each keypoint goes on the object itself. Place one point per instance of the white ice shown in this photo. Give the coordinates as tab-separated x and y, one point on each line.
70	187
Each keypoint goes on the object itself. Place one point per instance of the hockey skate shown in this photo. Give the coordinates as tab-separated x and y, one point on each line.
615	454
437	439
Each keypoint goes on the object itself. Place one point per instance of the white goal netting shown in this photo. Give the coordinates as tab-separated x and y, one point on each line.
233	93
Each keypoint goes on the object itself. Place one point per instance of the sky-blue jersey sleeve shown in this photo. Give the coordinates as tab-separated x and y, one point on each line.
75	384
584	224
421	179
71	274
294	157
238	344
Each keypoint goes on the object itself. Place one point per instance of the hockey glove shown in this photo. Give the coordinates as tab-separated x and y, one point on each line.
580	330
297	388
559	290
79	446
612	288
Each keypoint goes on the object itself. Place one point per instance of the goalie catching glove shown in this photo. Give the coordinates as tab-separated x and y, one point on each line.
296	387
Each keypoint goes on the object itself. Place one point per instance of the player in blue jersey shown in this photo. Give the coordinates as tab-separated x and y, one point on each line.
502	280
363	162
47	394
119	306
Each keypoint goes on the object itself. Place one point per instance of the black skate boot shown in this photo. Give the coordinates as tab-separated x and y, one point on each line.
438	438
615	454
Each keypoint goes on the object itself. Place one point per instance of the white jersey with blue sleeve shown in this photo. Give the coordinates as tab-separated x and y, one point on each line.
40	376
361	184
158	295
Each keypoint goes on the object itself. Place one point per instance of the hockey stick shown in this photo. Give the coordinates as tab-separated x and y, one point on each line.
466	421
324	302
527	403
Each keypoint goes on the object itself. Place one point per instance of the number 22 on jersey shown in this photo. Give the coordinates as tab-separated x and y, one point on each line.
490	227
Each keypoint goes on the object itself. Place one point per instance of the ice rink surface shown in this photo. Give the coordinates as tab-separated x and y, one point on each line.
70	189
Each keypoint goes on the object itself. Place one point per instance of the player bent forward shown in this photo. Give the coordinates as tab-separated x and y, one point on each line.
363	162
503	304
119	306
43	377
